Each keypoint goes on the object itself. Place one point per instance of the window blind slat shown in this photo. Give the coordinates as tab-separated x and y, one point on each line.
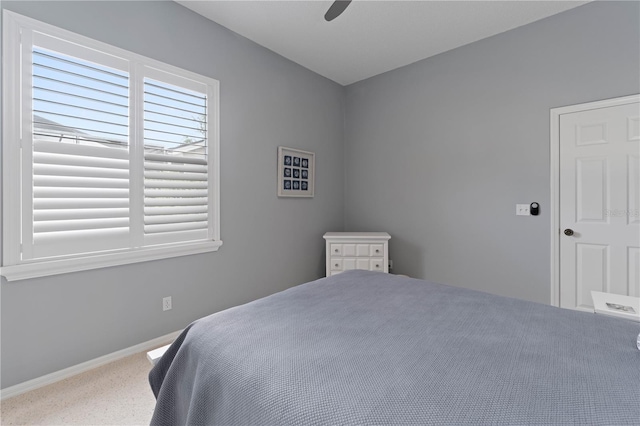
79	203
110	237
79	182
171	210
195	168
175	218
195	201
163	193
46	192
175	159
76	224
175	184
168	175
81	171
78	160
79	213
43	146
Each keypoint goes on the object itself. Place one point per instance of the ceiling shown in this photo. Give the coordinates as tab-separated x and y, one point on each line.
370	37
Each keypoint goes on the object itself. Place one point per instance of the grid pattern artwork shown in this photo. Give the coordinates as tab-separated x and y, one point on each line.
295	172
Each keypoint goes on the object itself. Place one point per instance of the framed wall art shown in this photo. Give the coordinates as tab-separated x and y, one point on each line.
296	172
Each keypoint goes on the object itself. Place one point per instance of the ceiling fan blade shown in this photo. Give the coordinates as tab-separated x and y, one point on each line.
336	9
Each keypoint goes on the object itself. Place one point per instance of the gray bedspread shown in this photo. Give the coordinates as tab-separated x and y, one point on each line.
367	348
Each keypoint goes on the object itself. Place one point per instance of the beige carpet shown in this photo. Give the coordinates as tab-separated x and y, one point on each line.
114	394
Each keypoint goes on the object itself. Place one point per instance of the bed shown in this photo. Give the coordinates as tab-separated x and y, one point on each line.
368	348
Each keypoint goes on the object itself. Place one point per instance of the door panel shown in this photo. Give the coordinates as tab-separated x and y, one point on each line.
591	192
633	126
592	270
633	167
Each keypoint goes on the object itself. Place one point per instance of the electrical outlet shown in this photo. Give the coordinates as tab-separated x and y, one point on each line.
523	210
390	264
166	303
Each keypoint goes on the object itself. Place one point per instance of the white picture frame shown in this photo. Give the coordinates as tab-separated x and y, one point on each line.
296	172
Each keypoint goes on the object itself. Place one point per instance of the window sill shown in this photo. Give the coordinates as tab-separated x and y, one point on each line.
62	266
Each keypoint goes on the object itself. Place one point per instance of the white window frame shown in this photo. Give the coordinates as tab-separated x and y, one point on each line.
13	119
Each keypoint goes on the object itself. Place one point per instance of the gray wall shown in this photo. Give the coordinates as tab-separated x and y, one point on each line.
269	244
439	152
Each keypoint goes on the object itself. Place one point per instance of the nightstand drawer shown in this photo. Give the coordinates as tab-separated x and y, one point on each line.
336	264
336	249
376	250
377	264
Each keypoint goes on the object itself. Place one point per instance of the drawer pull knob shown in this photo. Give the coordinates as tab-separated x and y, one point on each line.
377	266
336	265
377	251
336	250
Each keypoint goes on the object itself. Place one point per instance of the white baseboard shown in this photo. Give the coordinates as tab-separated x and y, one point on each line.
86	366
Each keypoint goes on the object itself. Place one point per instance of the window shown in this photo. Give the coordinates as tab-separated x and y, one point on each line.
108	157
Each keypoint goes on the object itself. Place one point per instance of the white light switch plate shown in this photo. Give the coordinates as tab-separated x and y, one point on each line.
523	210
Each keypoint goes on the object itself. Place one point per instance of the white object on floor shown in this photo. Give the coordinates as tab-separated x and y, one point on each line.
616	305
154	355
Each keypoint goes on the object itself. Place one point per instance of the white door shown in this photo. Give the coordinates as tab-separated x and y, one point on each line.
599	204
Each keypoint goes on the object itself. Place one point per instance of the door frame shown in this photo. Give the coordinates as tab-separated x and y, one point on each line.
554	204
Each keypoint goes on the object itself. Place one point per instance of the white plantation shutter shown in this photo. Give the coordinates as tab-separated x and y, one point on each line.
79	166
108	157
176	195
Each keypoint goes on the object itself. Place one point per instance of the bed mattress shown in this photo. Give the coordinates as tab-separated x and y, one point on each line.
368	348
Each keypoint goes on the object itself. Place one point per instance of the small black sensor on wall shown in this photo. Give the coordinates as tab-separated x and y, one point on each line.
534	209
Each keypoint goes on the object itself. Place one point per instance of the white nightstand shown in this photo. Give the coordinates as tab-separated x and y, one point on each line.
357	250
